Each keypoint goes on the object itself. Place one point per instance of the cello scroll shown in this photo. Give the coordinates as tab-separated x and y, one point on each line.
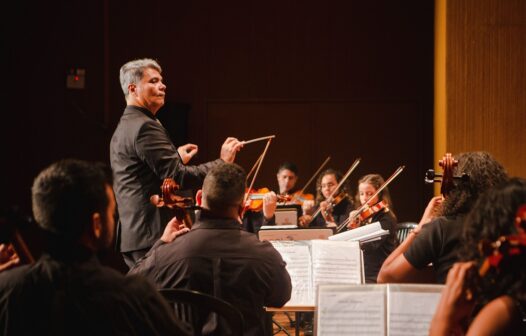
448	163
179	204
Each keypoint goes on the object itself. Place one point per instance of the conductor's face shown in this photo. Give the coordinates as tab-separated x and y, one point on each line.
149	92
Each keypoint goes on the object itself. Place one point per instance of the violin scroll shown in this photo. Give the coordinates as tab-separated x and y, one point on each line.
448	163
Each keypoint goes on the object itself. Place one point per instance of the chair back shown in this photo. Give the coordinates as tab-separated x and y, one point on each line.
403	229
206	314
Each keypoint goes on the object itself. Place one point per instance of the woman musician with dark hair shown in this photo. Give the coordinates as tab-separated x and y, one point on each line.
485	294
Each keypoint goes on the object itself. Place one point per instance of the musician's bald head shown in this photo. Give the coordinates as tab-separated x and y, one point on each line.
224	187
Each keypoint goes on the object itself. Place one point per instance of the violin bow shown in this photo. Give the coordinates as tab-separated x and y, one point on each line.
342	181
365	204
315	174
259	161
254	167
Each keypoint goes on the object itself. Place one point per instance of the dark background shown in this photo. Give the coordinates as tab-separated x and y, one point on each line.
341	78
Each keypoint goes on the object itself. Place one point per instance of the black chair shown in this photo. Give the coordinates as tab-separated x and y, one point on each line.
403	229
204	312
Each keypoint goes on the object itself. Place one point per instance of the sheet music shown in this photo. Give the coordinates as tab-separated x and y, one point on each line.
335	262
351	310
411	308
297	256
366	232
278	227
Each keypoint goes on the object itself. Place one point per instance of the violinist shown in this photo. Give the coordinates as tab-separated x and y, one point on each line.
380	210
287	176
437	240
479	300
217	258
333	210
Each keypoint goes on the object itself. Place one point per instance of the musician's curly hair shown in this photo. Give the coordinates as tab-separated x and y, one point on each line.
493	216
338	175
484	173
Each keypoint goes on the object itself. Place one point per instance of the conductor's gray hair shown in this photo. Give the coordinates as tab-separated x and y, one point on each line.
133	71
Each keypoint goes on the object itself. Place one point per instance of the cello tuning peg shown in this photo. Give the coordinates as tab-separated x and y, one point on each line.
430	176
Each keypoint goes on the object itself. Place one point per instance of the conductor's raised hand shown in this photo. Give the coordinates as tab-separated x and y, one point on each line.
187	152
173	229
229	149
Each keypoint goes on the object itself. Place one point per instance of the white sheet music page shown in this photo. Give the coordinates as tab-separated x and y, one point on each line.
411	308
336	262
351	310
297	256
362	233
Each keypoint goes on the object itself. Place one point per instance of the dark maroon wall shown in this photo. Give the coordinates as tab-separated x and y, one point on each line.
342	78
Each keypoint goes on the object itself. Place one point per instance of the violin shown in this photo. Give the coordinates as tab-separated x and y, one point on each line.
370	211
448	163
342	181
298	197
334	201
179	204
365	208
254	200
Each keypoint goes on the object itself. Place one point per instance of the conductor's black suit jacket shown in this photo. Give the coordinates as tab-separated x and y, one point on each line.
142	156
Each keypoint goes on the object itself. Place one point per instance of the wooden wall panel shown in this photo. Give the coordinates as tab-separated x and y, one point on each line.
486	79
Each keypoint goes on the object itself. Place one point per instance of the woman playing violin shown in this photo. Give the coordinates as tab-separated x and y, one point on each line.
333	210
379	210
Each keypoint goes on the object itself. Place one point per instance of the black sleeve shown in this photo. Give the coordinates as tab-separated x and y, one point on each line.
154	147
426	245
388	222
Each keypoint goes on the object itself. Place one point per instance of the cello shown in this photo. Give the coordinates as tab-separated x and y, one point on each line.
179	204
447	178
